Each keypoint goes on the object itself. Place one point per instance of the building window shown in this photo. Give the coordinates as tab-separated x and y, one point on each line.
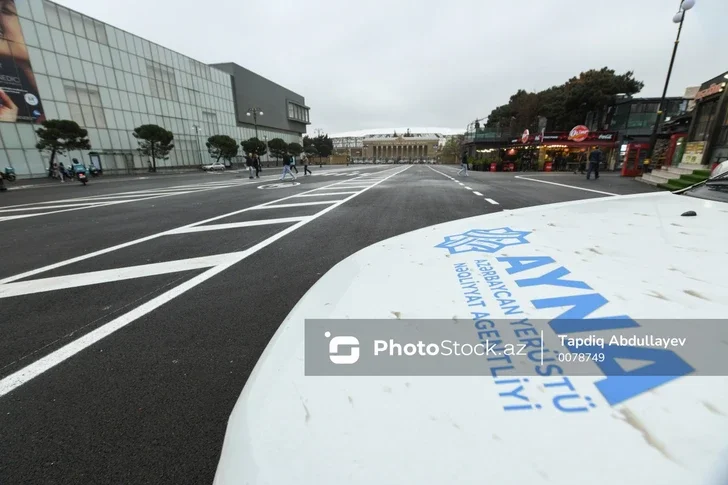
706	113
162	81
297	112
84	102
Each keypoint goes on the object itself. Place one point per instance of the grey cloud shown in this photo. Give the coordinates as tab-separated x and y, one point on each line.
379	63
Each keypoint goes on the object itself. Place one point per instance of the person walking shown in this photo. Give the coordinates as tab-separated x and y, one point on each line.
306	171
464	164
256	165
287	161
249	163
293	163
595	158
57	172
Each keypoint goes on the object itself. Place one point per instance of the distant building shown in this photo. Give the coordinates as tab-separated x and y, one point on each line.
406	145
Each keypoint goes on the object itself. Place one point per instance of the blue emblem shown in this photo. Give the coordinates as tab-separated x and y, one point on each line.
484	240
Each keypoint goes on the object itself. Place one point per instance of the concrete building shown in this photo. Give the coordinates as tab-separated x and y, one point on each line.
402	146
64	65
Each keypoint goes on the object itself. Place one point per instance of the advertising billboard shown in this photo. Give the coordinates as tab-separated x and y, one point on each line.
19	97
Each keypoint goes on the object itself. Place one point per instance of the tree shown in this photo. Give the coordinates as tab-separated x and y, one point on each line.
311	150
60	136
254	146
452	149
278	148
324	146
566	105
295	149
222	146
155	142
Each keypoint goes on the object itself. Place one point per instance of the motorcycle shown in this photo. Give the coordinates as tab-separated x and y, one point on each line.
9	174
80	172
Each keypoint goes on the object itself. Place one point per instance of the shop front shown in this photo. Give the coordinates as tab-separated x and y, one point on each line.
559	151
707	141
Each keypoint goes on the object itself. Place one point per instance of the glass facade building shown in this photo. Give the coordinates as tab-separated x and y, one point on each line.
109	82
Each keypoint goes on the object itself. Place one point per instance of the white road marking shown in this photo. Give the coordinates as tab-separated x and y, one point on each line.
468	188
324	194
22	376
478	194
491	201
461	184
100	252
108	276
236	225
300	204
565	185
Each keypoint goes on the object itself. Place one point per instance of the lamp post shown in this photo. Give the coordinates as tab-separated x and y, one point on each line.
198	131
679	18
267	157
254	112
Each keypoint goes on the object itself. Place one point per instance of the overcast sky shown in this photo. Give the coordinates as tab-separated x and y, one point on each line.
376	64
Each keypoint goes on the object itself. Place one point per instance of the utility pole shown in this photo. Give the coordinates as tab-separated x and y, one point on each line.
679	18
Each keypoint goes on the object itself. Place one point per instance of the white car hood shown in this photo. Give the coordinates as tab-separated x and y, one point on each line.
635	251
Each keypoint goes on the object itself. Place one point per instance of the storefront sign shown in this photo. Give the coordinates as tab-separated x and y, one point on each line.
579	133
694	153
713	89
525	136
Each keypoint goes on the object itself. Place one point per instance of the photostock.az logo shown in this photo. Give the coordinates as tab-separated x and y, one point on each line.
483	240
349	342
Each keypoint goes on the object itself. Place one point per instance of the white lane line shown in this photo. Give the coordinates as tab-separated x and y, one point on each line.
564	185
300	204
324	194
491	201
63	206
468	188
461	184
478	194
109	275
235	225
51	360
100	252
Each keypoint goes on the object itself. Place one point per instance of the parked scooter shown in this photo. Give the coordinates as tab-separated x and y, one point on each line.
79	171
9	174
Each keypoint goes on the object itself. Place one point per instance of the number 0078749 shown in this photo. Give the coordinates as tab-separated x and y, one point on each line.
581	357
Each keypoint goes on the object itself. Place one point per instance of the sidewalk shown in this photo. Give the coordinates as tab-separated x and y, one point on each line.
46	182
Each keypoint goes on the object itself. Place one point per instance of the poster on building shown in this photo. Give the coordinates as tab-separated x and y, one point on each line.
694	153
19	97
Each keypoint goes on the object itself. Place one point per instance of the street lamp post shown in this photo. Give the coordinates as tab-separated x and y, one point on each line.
679	18
267	157
198	131
254	112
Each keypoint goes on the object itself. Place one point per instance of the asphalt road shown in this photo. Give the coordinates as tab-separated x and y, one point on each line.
133	311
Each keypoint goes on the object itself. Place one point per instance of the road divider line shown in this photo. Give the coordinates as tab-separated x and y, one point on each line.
324	194
235	225
300	204
468	188
44	364
478	194
491	201
565	185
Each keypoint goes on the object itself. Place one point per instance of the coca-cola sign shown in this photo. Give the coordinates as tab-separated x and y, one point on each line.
579	133
525	136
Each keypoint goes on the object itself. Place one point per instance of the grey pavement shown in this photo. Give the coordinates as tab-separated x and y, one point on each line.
134	312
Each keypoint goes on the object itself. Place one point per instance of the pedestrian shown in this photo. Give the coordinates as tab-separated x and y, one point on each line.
293	163
287	161
464	164
256	164
2	183
581	162
249	163
306	171
595	158
57	170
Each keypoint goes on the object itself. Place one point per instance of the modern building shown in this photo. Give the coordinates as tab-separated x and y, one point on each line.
64	65
707	141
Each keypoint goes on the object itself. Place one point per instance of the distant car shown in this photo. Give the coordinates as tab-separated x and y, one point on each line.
213	167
